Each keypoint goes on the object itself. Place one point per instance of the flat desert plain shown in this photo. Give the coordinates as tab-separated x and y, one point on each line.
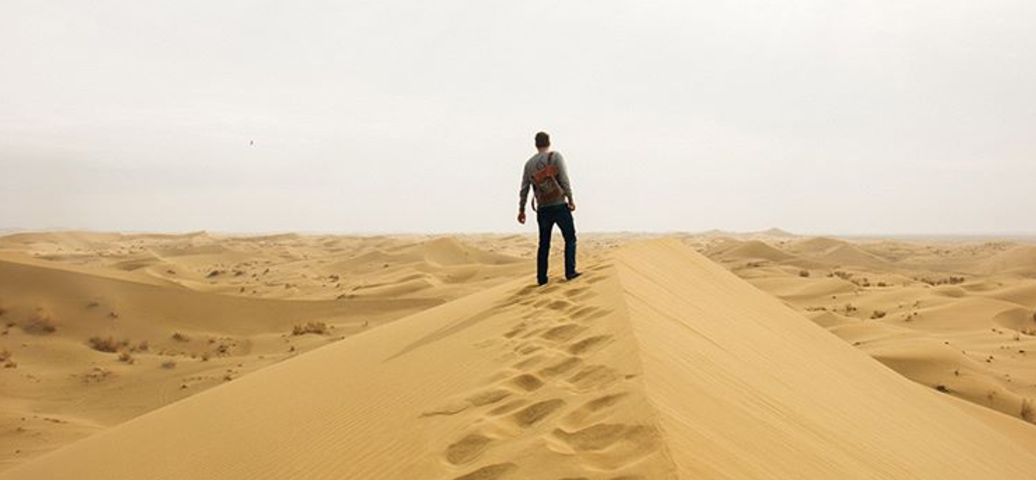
717	355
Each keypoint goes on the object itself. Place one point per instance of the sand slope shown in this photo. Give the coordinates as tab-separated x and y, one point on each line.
656	364
178	314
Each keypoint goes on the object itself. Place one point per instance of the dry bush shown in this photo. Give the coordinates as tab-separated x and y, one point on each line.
143	346
319	328
169	364
840	274
40	323
125	357
1028	413
877	314
179	337
106	344
97	375
951	280
850	308
4	355
804	273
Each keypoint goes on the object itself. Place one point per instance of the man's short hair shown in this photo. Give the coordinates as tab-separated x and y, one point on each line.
542	140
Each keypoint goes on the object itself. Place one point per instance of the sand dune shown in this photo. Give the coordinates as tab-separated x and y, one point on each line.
957	317
101	328
656	364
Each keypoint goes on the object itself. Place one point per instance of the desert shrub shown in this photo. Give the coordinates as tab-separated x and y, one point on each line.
143	346
179	337
942	388
878	314
1028	413
125	357
951	280
169	364
106	344
804	273
40	323
319	328
205	357
840	274
850	308
98	374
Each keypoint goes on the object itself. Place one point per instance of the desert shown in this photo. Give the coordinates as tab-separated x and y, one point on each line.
538	240
677	356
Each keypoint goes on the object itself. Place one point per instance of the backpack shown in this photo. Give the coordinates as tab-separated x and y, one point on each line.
545	184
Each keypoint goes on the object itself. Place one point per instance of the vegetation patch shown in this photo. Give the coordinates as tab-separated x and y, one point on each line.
319	328
107	344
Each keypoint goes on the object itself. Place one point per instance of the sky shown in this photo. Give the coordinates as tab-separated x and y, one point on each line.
815	116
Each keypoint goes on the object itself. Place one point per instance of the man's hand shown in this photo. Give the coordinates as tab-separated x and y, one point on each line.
521	218
571	206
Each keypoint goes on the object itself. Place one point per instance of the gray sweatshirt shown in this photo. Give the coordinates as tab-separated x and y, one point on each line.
534	164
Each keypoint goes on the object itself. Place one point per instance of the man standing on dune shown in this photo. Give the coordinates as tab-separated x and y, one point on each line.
545	172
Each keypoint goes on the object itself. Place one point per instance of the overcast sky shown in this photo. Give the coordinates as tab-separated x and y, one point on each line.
815	116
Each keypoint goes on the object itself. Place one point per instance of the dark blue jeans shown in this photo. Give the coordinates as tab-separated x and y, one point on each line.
546	217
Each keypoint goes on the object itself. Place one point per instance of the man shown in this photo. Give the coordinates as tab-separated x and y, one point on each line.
545	172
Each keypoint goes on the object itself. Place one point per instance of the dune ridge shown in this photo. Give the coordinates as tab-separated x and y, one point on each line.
656	364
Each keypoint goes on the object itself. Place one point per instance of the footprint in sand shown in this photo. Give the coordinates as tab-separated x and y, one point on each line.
594	376
527	349
560	305
586	411
610	446
529	362
588	313
577	292
560	367
532	414
467	449
588	344
488	397
490	472
563	333
516	330
508	407
527	382
533	333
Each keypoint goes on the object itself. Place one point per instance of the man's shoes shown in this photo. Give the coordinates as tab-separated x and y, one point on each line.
573	276
541	282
